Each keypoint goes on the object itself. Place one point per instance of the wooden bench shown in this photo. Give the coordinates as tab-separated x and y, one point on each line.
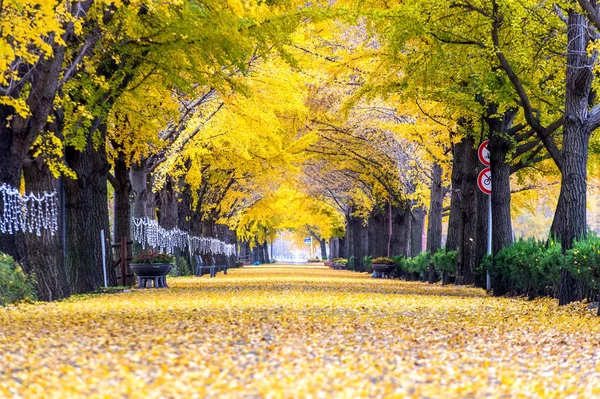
213	269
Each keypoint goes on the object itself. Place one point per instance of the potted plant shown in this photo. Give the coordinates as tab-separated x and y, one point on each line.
383	265
152	267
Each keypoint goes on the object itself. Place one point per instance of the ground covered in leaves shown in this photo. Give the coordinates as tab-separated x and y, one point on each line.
298	332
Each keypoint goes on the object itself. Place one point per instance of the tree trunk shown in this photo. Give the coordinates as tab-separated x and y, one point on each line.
260	252
400	226
434	219
45	255
323	245
87	213
168	206
144	204
455	217
17	133
466	155
266	253
122	187
569	222
377	233
499	146
417	215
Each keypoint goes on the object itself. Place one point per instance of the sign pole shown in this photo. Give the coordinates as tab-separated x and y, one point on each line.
488	280
484	181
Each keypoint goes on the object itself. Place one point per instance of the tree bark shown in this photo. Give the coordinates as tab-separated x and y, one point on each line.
265	247
122	187
45	253
323	245
260	252
417	215
434	218
466	155
499	146
569	222
87	213
168	206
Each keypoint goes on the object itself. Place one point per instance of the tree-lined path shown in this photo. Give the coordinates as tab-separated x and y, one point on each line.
282	331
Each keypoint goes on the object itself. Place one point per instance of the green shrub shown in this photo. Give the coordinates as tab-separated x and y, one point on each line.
351	263
400	262
181	267
528	267
444	262
15	285
418	266
367	264
583	261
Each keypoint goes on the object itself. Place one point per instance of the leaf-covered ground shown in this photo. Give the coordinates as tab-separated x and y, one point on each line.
298	332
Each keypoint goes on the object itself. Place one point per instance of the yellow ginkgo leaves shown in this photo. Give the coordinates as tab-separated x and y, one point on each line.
298	332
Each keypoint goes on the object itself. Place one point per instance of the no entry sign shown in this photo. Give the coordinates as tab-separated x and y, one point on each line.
484	153
484	181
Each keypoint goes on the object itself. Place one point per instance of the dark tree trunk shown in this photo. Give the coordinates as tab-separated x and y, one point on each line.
400	226
377	234
323	244
569	222
87	214
455	218
466	156
499	146
122	186
168	207
417	215
144	203
334	248
17	133
260	252
434	219
265	247
45	255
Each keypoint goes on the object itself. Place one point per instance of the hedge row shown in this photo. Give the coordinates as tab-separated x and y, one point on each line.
528	267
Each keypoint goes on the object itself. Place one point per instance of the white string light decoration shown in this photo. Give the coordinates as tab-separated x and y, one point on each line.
148	233
29	212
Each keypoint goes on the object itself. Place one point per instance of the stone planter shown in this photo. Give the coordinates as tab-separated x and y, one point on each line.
383	270
151	272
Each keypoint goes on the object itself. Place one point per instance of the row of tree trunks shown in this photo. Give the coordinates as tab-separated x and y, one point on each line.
372	238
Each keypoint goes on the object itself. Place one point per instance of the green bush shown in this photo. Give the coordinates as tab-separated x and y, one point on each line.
181	267
418	266
583	261
444	262
351	263
15	285
528	267
400	262
367	264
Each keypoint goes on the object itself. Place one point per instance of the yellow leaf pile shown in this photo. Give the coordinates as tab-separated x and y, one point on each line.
279	332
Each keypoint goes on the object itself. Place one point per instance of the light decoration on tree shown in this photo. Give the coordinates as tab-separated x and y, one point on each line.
148	233
28	212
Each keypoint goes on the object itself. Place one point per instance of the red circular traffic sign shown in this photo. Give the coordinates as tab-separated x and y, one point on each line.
484	181
484	154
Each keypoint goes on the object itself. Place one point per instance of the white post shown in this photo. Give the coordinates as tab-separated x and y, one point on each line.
488	281
103	257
